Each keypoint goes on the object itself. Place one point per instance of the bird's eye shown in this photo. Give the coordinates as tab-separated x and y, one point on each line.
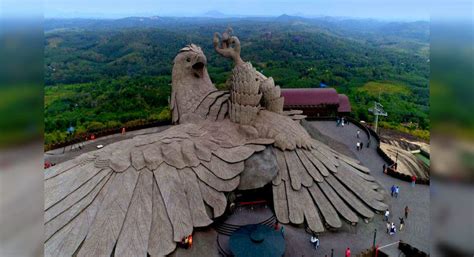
188	59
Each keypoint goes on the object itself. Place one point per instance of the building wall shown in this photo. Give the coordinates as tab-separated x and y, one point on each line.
316	111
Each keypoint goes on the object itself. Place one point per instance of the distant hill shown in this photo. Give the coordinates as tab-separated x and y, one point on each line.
215	14
288	18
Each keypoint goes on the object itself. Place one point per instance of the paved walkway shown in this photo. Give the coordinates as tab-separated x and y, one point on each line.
69	152
417	226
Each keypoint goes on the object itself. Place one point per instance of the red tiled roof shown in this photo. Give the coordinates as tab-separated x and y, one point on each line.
310	96
344	104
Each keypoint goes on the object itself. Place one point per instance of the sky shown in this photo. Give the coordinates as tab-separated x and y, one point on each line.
378	9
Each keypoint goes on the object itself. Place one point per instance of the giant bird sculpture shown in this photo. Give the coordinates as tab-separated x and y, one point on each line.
143	195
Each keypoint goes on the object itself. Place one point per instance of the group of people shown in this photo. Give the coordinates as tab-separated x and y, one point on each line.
341	122
391	228
395	191
314	239
359	144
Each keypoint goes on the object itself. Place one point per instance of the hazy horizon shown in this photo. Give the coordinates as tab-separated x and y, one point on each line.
391	10
99	16
112	9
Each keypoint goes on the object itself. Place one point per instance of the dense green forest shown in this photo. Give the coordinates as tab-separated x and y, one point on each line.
105	73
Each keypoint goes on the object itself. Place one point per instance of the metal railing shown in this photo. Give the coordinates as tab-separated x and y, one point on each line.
80	138
227	229
221	249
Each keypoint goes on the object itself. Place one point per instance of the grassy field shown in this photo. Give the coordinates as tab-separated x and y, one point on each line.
55	93
373	88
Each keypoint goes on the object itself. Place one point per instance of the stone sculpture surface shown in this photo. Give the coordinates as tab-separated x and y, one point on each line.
143	195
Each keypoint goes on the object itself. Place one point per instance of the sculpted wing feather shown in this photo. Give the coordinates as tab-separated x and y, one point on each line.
322	188
288	134
144	194
137	225
315	183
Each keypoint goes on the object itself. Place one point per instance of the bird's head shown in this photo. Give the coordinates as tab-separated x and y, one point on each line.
190	63
190	81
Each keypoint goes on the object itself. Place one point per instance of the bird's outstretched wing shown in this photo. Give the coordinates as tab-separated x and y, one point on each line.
213	106
322	187
144	194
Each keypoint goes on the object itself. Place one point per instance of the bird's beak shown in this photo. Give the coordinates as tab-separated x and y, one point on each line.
198	67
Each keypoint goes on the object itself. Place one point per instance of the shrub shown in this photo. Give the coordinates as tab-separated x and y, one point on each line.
165	114
95	126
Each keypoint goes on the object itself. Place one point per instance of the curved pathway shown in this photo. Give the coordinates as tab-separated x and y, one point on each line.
417	226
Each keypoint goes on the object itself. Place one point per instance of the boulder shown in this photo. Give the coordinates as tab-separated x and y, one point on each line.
260	169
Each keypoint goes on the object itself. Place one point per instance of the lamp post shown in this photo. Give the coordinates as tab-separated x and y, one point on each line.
375	236
377	110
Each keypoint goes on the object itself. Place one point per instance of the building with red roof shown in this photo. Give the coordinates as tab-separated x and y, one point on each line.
317	102
344	104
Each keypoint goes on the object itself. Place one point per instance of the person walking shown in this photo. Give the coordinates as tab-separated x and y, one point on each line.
388	226
384	167
393	229
358	145
406	212
385	216
413	180
397	191
358	133
402	223
348	252
392	190
315	241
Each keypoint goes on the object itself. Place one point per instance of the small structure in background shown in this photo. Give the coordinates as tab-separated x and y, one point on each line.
377	111
317	102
